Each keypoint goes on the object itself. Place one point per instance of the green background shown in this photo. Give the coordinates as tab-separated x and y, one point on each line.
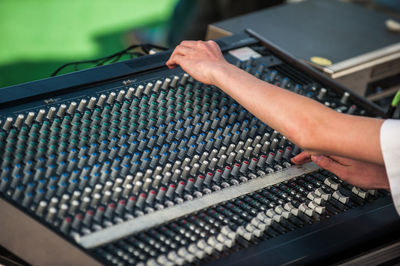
38	36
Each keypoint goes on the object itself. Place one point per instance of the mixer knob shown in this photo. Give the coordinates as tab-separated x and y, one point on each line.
321	94
91	103
174	81
345	97
29	118
157	85
273	75
111	98
40	115
139	90
166	83
82	105
184	79
18	121
121	95
351	109
72	108
148	88
51	113
285	82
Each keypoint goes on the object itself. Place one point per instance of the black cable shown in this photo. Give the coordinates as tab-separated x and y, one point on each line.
107	58
147	47
136	54
91	61
114	57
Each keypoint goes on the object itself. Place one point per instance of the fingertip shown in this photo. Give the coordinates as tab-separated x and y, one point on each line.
301	158
170	63
316	158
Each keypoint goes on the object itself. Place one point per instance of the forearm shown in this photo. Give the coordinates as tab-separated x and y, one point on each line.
305	122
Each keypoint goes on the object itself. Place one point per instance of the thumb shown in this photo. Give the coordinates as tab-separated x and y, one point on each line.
329	164
174	60
170	64
301	158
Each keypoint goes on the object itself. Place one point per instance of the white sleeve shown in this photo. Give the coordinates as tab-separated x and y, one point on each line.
390	145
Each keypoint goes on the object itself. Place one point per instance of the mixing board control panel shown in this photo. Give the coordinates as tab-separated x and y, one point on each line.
155	168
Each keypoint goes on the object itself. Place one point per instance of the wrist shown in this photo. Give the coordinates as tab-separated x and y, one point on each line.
221	72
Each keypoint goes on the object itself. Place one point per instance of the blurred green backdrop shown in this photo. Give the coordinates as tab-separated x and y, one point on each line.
38	36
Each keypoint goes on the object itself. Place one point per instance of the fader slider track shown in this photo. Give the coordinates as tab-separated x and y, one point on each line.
156	218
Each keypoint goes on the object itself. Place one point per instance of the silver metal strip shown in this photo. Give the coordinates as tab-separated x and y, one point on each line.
150	220
361	59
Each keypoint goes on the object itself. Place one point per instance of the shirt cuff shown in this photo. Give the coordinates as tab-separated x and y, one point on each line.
390	145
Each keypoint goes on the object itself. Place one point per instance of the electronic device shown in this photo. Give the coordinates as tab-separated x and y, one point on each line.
136	164
339	45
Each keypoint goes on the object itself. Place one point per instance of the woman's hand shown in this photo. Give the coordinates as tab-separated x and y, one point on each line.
201	60
359	173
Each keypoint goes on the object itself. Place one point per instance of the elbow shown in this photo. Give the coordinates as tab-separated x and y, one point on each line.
304	134
304	140
315	133
314	130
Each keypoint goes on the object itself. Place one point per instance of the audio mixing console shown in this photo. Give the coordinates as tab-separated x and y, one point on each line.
136	164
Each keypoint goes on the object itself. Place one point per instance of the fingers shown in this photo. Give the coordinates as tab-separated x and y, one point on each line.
330	165
342	160
209	49
198	46
213	44
171	63
177	54
189	44
174	60
193	44
181	50
303	157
